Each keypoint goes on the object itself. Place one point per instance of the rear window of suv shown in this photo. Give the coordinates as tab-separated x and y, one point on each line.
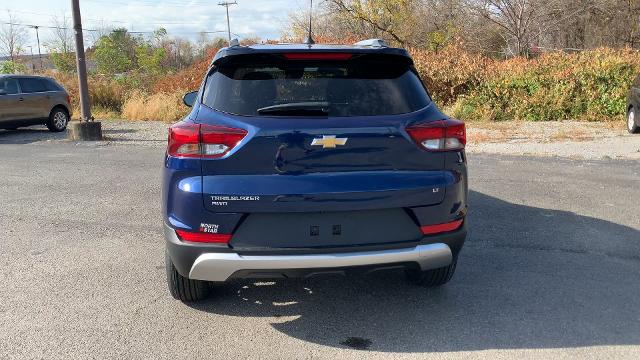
51	85
359	87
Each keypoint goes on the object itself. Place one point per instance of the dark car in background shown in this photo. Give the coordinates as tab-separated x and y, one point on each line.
633	106
301	160
33	100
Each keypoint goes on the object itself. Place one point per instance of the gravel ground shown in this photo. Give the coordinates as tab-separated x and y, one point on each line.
550	270
576	140
579	140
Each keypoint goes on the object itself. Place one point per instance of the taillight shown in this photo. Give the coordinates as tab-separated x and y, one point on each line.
68	99
441	135
318	56
441	228
203	237
189	140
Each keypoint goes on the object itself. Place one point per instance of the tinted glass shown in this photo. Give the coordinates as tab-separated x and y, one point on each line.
51	85
351	88
9	86
32	85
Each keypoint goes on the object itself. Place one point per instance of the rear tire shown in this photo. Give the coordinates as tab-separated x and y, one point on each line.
58	120
432	278
632	122
182	288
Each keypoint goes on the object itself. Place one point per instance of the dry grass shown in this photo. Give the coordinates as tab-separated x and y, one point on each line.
160	107
103	113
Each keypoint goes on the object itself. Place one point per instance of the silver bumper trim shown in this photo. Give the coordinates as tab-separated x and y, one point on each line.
220	266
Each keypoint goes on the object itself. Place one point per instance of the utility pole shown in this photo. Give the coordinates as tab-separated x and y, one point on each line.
86	128
226	4
38	38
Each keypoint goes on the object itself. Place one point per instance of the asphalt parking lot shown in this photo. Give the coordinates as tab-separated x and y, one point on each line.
551	270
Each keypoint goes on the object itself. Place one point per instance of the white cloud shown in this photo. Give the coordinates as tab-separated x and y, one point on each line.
262	18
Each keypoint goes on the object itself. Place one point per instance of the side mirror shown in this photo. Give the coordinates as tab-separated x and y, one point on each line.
190	98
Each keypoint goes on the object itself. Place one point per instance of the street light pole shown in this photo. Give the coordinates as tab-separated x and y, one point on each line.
33	66
226	4
86	128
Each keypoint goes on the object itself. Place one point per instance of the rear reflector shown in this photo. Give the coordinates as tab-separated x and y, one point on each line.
318	56
203	237
440	228
189	140
441	135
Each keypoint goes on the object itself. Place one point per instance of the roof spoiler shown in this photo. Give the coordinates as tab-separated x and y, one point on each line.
372	43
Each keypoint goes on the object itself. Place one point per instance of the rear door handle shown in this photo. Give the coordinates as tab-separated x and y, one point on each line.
21	99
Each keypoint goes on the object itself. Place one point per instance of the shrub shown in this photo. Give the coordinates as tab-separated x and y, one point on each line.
105	92
450	72
12	67
187	79
592	86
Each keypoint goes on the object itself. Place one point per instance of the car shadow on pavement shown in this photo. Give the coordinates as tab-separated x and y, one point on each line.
528	278
30	135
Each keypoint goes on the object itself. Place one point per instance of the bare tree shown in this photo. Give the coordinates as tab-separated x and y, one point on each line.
517	18
505	27
61	44
62	35
12	36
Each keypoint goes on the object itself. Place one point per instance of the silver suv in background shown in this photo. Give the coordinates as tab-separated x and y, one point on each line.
33	100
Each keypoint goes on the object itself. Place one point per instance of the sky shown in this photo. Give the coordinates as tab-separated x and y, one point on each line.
184	18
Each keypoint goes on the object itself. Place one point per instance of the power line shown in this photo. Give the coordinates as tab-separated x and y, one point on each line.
96	30
148	4
44	26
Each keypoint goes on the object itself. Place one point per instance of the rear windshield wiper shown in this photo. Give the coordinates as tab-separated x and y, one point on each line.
314	108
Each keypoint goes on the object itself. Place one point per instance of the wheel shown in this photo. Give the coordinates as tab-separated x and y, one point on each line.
58	120
432	278
632	126
182	288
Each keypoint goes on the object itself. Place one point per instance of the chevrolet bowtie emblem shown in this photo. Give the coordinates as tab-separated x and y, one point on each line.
329	141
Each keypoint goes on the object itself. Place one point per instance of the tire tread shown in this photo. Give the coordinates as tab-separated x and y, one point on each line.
432	278
182	288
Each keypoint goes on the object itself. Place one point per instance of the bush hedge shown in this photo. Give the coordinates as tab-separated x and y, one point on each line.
590	85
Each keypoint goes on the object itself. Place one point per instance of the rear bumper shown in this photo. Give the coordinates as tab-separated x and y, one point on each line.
219	264
221	267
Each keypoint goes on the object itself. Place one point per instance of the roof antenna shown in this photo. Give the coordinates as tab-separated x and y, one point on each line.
309	40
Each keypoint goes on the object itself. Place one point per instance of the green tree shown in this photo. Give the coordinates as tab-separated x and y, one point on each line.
64	62
150	59
116	52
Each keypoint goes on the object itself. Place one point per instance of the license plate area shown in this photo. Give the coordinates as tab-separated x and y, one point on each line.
325	229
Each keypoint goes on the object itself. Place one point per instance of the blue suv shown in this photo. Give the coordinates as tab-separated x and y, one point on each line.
301	160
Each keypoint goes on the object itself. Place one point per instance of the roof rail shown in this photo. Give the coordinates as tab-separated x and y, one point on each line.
372	43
